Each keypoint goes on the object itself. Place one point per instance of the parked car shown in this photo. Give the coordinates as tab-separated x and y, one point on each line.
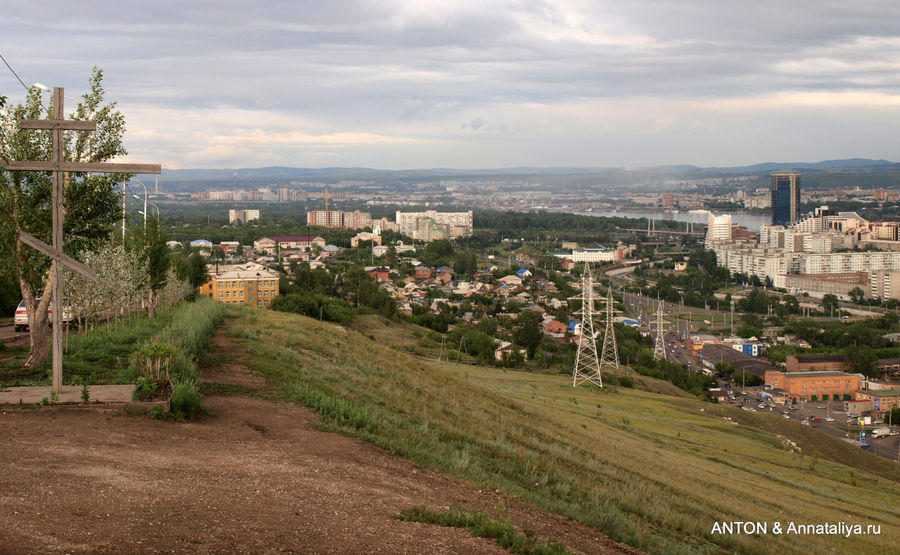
817	420
20	320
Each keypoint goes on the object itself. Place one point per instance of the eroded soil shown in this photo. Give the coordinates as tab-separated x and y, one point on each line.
256	477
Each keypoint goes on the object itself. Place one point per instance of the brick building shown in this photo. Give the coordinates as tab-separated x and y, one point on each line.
812	363
815	385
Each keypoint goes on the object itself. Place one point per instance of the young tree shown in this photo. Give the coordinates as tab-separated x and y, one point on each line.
149	244
830	303
90	202
528	332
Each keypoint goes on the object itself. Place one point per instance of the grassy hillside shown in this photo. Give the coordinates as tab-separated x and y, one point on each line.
652	470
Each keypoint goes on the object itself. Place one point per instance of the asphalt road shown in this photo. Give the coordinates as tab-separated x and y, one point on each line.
8	333
883	447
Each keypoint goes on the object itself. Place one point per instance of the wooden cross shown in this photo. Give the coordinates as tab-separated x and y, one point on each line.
57	165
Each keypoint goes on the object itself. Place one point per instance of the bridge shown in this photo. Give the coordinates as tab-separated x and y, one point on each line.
662	231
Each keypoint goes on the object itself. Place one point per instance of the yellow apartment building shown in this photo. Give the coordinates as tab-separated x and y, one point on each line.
247	284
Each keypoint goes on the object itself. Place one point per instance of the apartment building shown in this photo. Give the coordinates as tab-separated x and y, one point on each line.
242	216
277	244
431	225
884	284
243	284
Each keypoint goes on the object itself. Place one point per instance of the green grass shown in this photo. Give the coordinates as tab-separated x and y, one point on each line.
651	470
481	526
97	356
101	355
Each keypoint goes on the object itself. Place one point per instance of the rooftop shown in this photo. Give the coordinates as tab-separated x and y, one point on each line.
820	358
250	270
818	374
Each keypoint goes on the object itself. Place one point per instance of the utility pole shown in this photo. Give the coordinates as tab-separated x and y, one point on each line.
124	197
732	316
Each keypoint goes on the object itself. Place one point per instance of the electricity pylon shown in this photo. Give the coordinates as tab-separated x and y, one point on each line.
609	356
587	365
659	347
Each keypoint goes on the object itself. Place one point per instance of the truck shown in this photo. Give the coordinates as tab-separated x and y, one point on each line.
883	431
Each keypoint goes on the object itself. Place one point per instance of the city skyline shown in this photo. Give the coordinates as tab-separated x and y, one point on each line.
404	85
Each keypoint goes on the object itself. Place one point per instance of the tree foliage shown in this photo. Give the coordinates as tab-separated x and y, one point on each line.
89	200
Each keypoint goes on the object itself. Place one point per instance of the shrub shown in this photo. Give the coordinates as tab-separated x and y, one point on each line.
154	360
186	401
157	412
146	389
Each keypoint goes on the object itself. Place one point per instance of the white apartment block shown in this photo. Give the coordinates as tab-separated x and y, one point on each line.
242	216
595	255
846	262
884	285
431	224
718	228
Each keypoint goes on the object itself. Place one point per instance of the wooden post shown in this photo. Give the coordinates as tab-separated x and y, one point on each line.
58	165
57	199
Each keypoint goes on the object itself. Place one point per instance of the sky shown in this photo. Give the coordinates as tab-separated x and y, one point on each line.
397	84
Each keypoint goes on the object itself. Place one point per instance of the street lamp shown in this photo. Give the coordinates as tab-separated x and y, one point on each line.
146	194
143	212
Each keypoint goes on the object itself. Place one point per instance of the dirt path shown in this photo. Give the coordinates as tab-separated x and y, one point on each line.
256	477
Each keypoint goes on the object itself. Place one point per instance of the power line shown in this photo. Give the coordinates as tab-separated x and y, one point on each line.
13	72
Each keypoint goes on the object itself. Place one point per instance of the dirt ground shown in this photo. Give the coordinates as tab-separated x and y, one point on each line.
255	477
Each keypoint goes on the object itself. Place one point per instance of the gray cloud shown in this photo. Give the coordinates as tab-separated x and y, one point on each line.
416	71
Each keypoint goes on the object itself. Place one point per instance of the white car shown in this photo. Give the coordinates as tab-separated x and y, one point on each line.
20	320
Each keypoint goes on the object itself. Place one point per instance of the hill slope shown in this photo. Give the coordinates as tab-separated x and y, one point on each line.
654	471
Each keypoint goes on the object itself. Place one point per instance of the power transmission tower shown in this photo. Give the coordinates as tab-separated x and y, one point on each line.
587	364
462	345
659	347
441	352
609	356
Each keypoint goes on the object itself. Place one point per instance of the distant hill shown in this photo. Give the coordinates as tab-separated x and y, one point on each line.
191	180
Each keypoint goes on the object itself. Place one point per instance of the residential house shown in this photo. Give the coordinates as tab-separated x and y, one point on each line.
379	272
506	348
511	281
423	272
554	327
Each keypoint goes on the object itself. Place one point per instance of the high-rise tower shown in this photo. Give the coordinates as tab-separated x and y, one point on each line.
785	190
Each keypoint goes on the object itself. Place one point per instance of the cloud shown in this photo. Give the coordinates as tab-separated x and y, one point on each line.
494	83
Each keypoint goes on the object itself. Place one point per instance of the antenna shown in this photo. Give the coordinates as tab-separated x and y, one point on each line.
587	365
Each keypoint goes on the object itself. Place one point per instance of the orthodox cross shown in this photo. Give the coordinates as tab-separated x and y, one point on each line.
57	124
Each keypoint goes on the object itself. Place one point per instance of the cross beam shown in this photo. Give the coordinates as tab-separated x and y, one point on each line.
57	123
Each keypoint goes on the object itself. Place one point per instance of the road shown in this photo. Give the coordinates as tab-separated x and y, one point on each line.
9	335
883	447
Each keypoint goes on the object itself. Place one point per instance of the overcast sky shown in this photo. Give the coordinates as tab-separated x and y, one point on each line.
464	84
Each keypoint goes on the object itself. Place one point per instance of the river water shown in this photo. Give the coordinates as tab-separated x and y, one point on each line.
749	221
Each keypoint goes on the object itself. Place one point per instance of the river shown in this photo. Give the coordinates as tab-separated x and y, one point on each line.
749	221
